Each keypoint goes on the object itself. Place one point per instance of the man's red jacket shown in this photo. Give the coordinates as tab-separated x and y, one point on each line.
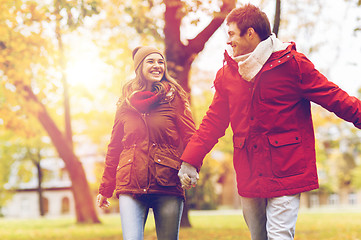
273	136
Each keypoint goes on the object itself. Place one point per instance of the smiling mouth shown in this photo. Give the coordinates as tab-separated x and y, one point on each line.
156	72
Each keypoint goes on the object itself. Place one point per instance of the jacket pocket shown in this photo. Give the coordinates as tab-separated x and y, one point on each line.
240	158
287	154
123	171
166	170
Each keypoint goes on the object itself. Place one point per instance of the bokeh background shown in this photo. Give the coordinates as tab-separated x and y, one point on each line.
62	65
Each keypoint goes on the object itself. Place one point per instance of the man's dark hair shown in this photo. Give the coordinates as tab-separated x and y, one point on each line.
250	16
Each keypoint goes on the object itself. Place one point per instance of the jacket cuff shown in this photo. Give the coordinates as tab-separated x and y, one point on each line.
194	154
106	191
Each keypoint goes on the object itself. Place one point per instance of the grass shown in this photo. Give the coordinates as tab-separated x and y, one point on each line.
320	225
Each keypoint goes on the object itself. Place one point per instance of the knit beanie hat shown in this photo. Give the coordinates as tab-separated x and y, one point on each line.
139	53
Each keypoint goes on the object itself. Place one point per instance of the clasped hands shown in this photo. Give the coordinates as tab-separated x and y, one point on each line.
188	175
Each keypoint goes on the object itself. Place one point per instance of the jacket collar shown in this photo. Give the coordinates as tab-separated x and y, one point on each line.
276	55
280	54
280	57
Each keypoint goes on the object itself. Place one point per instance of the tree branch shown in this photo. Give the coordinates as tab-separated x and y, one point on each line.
173	18
197	44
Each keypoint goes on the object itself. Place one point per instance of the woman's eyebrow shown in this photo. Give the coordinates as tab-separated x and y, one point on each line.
155	59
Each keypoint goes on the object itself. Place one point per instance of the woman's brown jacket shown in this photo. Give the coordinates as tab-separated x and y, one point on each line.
144	150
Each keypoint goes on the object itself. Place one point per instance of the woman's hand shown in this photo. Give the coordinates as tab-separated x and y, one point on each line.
188	175
102	201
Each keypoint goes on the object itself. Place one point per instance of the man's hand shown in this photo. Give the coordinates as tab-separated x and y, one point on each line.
102	201
188	175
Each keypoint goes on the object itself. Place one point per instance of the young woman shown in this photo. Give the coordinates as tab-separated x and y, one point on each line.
153	123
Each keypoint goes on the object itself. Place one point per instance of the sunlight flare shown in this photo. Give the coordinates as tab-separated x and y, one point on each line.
85	67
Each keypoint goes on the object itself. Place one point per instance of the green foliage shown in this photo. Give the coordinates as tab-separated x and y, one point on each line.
72	13
337	148
204	197
7	150
144	20
356	177
216	164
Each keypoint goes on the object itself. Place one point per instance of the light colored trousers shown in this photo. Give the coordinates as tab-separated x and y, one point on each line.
271	218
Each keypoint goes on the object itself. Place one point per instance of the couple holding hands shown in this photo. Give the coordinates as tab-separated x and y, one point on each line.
264	91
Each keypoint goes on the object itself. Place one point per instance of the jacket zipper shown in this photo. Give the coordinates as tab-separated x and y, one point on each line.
147	128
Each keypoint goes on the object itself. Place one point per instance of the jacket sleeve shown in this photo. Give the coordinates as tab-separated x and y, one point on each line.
115	147
316	88
212	127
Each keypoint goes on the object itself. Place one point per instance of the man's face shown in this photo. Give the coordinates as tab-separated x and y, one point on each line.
241	45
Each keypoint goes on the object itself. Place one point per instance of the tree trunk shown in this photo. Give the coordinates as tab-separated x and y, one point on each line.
84	201
36	159
277	20
40	189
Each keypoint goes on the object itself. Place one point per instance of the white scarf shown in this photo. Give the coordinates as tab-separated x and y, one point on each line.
250	64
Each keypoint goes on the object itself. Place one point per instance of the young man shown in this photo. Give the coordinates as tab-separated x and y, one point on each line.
264	91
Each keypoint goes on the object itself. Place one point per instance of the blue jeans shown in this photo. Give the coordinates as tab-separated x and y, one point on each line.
167	211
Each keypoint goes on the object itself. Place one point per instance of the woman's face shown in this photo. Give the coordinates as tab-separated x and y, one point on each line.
153	68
